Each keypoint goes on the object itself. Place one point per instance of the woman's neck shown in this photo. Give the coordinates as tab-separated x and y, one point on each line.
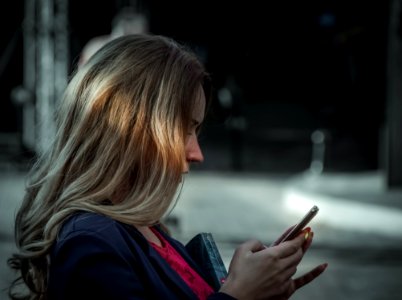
149	235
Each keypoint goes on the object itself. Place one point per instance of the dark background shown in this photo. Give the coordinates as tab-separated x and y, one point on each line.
297	65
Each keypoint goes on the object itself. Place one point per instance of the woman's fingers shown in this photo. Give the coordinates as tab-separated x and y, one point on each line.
252	246
260	272
290	247
299	282
308	242
277	241
310	276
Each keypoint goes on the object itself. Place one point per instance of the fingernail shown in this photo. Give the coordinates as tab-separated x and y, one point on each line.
306	232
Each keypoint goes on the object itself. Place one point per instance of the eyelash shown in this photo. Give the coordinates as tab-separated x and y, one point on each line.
194	130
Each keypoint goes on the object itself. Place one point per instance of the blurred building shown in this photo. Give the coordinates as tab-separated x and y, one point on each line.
282	71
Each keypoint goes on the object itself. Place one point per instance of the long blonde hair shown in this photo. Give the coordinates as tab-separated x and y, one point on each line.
119	148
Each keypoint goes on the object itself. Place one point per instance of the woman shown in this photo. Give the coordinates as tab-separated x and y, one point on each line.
89	228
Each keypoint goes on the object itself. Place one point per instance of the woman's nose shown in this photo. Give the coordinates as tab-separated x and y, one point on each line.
193	151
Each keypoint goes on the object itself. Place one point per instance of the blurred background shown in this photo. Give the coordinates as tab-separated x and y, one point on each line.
307	109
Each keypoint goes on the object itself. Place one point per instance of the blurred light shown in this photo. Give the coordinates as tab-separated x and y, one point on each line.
225	97
317	136
326	20
346	214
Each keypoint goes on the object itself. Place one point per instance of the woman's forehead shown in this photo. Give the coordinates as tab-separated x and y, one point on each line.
199	105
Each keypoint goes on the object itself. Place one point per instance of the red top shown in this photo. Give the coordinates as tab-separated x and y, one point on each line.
177	262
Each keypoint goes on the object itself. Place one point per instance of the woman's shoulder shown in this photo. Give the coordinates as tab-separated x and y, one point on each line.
87	222
94	225
87	233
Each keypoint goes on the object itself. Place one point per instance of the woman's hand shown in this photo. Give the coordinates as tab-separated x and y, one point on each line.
258	272
306	278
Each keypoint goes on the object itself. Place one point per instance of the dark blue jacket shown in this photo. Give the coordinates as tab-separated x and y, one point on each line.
96	257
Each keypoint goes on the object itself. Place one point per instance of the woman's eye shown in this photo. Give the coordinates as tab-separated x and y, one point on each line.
194	131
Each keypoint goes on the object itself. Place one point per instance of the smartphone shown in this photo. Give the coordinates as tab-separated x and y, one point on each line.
299	226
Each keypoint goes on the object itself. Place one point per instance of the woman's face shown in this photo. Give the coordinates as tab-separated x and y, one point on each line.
192	147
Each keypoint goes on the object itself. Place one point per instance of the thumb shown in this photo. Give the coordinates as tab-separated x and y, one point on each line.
252	246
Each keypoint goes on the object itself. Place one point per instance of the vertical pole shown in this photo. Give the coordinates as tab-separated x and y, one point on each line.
318	139
393	161
29	75
46	74
61	47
